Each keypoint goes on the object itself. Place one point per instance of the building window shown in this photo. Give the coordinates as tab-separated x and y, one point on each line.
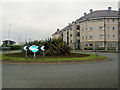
101	45
99	19
82	37
113	20
90	44
101	28
108	28
86	29
70	35
107	19
90	28
101	36
71	41
62	34
90	37
86	37
113	28
108	44
108	36
70	28
113	36
113	44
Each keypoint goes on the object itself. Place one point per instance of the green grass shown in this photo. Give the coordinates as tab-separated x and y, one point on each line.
0	57
91	57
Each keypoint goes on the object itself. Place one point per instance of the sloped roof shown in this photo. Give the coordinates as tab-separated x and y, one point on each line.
57	32
100	13
94	14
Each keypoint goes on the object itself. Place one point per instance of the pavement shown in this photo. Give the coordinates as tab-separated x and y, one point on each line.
87	75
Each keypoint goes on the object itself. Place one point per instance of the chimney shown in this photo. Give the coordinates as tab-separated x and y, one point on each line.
91	10
57	30
109	8
72	22
84	14
75	22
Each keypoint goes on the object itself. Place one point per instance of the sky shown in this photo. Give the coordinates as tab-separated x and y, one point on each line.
38	19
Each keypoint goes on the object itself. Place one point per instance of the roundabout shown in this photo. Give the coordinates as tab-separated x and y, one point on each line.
19	58
88	75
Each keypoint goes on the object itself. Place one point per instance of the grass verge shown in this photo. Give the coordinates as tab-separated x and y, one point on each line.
92	57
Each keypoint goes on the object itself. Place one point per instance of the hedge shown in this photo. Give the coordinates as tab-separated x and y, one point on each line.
12	47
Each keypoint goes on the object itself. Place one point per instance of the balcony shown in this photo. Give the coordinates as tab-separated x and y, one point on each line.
77	34
78	27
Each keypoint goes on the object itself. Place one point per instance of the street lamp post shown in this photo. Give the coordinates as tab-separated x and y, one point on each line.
26	39
9	37
27	33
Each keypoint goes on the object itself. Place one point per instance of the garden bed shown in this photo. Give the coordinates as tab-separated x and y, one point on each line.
72	55
73	58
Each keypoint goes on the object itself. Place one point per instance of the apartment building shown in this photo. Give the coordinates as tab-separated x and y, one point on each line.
97	29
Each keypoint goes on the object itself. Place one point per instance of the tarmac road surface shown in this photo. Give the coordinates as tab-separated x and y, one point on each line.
87	75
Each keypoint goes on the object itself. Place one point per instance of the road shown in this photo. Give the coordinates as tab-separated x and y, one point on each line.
14	51
87	75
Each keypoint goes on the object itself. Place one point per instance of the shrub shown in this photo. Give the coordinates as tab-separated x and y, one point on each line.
11	47
15	47
78	49
52	47
88	48
101	48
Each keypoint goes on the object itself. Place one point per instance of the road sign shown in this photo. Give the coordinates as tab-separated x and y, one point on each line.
42	48
94	43
25	48
33	48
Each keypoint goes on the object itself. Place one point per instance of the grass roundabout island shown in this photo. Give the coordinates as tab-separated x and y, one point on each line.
19	58
55	51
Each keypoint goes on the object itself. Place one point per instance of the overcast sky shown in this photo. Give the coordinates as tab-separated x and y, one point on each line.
42	18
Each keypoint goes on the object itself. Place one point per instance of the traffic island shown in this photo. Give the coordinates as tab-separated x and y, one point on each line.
18	58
